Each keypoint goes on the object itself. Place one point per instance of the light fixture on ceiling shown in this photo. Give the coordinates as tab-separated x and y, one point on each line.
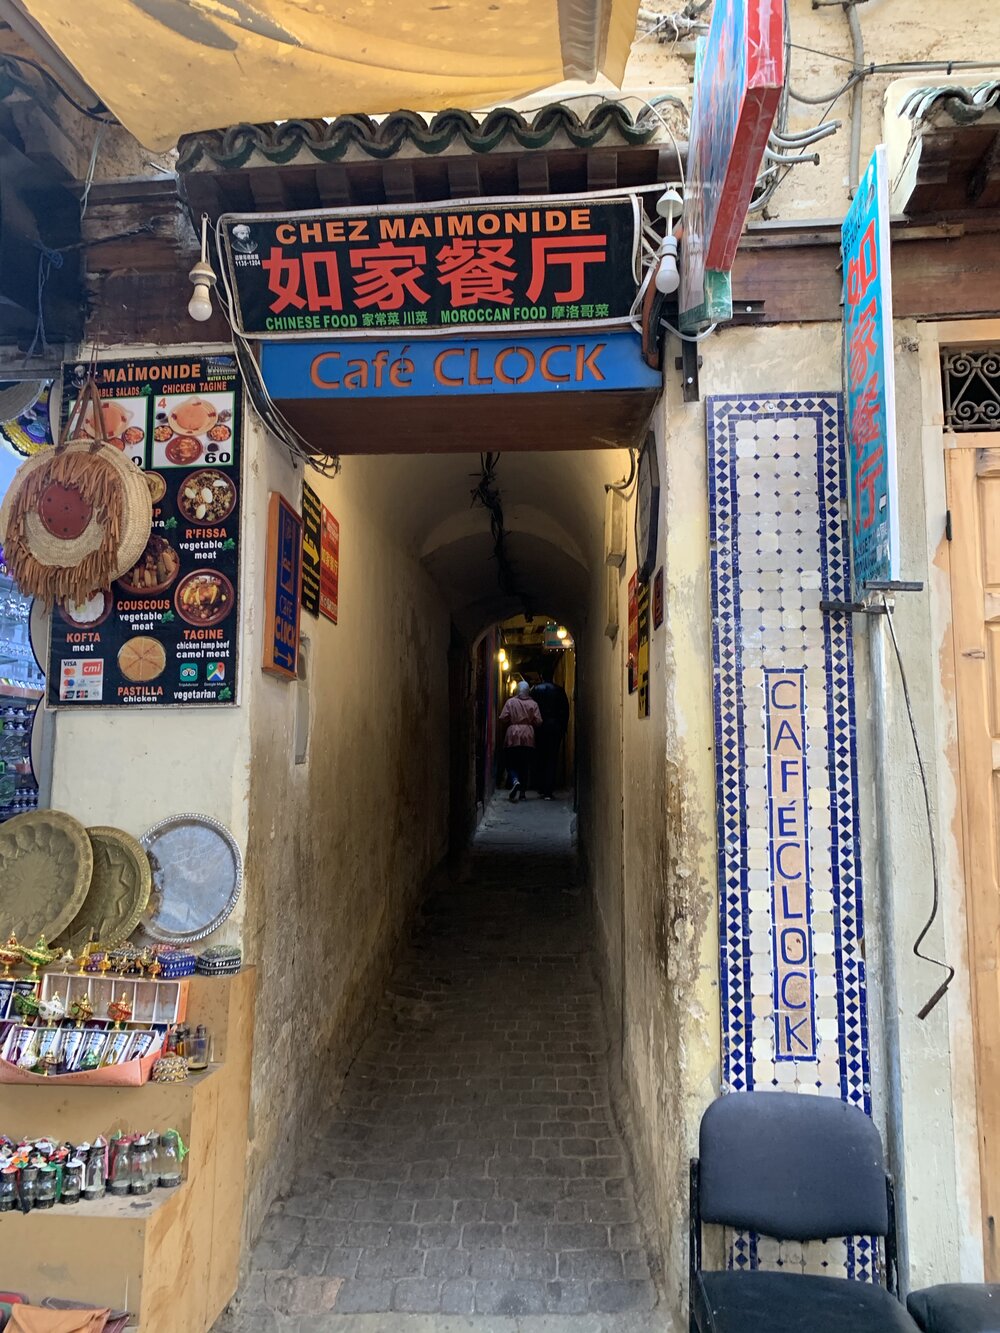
204	279
562	632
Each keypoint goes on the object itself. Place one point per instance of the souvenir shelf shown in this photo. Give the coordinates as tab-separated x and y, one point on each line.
153	1003
174	1260
21	687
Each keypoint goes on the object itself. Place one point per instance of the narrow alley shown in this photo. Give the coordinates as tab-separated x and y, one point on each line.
472	1164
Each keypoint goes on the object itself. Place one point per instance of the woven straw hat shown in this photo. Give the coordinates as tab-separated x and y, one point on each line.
75	517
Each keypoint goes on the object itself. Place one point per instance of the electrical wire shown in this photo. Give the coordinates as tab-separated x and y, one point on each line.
328	465
935	874
688	337
40	69
623	487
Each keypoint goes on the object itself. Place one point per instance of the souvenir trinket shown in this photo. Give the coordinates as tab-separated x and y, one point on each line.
120	1168
40	956
170	1069
81	1010
10	954
27	1005
94	1171
52	1010
120	1010
142	1175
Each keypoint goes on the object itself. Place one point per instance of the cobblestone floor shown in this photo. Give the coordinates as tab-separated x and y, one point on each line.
473	1166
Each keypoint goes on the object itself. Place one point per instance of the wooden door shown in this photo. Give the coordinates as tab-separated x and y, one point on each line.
974	500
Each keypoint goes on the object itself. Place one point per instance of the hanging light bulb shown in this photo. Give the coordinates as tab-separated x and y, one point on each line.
668	277
561	632
505	665
502	655
204	279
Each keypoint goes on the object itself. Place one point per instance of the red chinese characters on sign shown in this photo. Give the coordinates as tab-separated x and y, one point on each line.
388	276
477	271
866	427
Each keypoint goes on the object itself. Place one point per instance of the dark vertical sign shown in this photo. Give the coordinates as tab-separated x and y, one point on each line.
283	578
329	587
312	537
658	598
633	633
167	631
642	658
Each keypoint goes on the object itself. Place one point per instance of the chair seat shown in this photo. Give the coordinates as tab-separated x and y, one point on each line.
759	1302
957	1307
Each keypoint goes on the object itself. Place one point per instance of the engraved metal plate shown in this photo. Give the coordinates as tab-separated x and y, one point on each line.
119	889
46	863
197	874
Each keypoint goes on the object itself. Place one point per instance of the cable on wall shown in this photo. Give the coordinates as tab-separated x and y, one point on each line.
935	873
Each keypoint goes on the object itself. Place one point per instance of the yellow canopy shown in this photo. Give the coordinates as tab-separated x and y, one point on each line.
172	67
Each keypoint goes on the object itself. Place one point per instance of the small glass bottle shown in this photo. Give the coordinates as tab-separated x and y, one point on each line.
93	1174
119	1174
197	1049
168	1160
141	1174
8	1190
28	1188
48	1186
72	1186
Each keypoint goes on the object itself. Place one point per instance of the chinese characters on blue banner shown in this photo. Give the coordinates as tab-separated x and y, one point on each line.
870	381
418	269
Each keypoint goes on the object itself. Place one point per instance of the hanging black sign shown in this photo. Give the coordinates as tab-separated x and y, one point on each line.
312	539
520	264
167	632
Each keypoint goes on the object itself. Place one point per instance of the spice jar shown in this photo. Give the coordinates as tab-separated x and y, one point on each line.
141	1174
119	1172
48	1186
72	1183
168	1160
93	1173
27	1188
197	1049
8	1190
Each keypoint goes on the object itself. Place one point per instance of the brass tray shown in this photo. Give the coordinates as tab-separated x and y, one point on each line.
46	862
119	889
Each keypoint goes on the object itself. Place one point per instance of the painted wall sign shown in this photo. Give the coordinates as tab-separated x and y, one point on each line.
658	598
282	581
506	263
456	366
642	647
312	538
738	80
167	632
329	578
788	849
870	380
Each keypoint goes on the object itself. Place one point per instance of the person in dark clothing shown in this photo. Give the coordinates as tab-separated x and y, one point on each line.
554	708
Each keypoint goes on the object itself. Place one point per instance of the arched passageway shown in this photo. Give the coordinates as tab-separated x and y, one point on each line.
470	1161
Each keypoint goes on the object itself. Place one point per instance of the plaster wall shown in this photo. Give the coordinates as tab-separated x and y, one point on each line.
648	815
340	846
913	1097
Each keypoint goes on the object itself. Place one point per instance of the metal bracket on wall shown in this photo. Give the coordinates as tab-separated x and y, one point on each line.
689	363
851	609
747	312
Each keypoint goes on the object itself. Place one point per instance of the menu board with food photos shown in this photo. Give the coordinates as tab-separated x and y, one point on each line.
167	632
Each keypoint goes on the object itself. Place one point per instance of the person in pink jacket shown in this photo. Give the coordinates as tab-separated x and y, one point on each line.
518	721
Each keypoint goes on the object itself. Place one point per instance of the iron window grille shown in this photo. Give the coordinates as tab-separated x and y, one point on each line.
970	379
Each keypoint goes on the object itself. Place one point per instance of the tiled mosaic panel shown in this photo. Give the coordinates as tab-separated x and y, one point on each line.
779	548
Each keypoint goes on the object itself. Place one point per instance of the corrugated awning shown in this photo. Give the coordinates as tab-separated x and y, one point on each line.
172	67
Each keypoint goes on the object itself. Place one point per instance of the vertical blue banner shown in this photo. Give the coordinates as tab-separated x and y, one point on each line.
869	381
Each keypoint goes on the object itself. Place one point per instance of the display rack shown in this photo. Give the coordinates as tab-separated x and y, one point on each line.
172	1257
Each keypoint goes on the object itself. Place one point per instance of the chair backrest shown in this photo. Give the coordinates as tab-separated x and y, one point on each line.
792	1166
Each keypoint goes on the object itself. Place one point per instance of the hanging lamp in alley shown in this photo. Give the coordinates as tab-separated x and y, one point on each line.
173	67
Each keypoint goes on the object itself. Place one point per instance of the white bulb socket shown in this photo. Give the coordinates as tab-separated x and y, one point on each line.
668	277
200	305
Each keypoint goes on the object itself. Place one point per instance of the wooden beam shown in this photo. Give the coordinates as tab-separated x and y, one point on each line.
533	173
463	178
268	189
400	187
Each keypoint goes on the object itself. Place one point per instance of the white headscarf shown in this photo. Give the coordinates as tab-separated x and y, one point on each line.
523	689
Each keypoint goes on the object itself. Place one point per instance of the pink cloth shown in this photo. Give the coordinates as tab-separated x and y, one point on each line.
523	717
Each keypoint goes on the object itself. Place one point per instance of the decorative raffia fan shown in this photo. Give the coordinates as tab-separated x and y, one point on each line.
77	516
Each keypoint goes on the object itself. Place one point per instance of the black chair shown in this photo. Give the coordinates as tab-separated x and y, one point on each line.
957	1307
793	1167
